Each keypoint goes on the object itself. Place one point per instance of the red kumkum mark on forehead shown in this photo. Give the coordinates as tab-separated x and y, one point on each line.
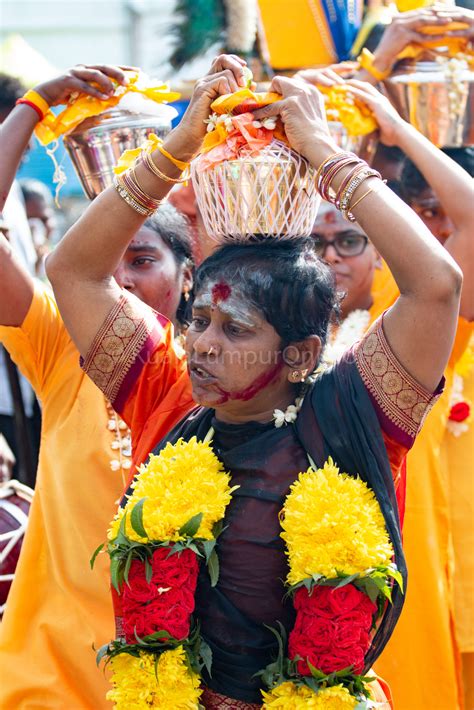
220	292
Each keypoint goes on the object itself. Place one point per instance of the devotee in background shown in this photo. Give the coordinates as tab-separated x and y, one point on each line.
57	609
20	417
42	218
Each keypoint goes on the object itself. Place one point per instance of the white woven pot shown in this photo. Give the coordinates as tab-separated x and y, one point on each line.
272	194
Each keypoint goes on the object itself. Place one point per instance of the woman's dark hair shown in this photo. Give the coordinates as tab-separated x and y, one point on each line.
413	182
175	231
283	279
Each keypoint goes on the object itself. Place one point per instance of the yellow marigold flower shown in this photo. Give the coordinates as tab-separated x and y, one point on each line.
289	696
333	523
137	686
185	479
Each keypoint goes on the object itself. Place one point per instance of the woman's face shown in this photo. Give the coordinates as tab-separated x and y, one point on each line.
235	356
149	270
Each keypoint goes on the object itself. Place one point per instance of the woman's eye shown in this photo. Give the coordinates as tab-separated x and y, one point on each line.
235	329
143	260
428	214
199	323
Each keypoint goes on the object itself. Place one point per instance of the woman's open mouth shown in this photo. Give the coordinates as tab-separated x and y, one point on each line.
200	375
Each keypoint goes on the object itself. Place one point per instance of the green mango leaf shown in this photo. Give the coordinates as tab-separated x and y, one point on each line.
208	546
319	675
136	519
206	655
213	567
121	538
96	552
148	570
346	580
128	564
115	563
103	651
190	528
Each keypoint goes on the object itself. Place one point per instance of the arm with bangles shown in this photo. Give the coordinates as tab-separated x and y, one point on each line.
428	279
82	266
16	285
452	185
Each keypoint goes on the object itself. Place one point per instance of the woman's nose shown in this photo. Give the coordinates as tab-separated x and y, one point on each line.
123	277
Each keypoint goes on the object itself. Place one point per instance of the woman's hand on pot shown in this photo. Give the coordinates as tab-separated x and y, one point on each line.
405	29
98	80
391	124
225	76
302	112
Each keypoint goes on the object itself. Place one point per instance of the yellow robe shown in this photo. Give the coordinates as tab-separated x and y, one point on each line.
421	661
58	608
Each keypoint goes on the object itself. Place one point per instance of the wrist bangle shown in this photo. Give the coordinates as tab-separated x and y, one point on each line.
148	163
366	61
180	164
36	102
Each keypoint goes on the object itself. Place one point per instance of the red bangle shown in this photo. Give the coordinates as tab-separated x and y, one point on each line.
31	105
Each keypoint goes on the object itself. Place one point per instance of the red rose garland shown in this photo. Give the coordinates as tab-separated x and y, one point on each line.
166	602
332	629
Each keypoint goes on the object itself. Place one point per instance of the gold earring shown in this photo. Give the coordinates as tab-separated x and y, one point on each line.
294	376
186	293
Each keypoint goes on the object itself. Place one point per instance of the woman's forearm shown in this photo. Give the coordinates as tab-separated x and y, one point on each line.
453	186
15	134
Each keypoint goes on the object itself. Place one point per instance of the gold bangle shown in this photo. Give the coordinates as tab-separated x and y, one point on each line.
366	61
148	163
351	207
180	164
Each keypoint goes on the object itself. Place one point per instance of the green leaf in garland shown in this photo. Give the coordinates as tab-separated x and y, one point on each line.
136	519
206	655
346	580
319	675
213	567
128	564
103	651
115	564
208	546
190	528
94	556
148	570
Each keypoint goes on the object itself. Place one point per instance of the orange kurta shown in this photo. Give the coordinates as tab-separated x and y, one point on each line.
58	608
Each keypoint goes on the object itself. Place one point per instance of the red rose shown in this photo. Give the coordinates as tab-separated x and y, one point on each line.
176	569
347	635
459	412
314	602
361	619
138	591
317	632
342	658
135	621
349	598
174	619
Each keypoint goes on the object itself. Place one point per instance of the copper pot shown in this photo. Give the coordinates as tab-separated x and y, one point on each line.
437	97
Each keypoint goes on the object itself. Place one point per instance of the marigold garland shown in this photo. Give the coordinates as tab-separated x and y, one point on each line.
333	524
336	538
300	697
186	479
137	685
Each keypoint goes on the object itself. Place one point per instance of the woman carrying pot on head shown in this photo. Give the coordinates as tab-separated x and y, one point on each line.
260	319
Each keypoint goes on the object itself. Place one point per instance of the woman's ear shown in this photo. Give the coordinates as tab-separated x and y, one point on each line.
188	280
303	356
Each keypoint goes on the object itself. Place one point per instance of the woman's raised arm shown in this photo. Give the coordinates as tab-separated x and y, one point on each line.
81	268
420	327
